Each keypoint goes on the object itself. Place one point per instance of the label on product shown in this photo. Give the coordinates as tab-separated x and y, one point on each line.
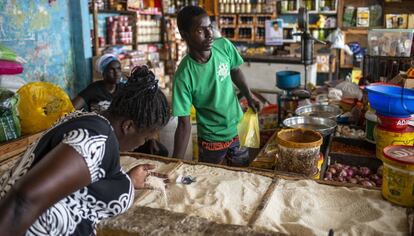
400	153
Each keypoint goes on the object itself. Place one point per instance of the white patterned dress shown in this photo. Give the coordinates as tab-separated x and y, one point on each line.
110	193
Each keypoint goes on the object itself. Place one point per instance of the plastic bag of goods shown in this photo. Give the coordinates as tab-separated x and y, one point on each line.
9	122
41	104
248	129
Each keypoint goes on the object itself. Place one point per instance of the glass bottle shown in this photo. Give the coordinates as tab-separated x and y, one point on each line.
248	7
232	7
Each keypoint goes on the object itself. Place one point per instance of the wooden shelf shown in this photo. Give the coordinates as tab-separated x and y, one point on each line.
129	12
151	42
245	26
356	30
107	11
325	12
243	40
228	26
289	12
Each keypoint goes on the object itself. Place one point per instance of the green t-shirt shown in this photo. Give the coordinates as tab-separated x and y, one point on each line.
208	86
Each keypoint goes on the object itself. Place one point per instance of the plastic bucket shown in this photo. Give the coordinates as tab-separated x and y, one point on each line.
287	80
384	138
391	100
298	151
398	175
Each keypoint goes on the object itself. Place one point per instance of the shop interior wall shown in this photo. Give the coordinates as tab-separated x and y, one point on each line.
50	36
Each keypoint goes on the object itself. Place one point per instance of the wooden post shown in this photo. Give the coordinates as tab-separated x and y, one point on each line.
95	28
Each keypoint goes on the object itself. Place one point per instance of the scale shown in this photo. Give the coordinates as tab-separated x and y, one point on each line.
290	84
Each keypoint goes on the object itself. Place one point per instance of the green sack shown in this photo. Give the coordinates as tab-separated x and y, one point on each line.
7	54
9	121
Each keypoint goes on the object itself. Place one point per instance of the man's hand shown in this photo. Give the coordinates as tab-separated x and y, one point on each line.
140	173
254	104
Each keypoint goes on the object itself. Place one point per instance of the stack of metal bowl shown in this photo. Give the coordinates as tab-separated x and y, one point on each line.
320	118
324	111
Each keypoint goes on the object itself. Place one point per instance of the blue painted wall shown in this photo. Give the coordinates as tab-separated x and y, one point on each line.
41	32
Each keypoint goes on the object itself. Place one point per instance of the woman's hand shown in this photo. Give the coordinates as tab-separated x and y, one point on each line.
140	173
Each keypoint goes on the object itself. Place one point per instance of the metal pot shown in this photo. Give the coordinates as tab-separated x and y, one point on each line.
324	111
324	126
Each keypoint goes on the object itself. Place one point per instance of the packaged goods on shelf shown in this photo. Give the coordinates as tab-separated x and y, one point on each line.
118	30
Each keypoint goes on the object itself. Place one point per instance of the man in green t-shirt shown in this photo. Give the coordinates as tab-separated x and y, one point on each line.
205	79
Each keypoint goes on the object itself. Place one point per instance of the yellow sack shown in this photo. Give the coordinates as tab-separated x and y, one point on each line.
248	129
41	104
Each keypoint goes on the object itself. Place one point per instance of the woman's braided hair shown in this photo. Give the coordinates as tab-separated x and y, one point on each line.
140	100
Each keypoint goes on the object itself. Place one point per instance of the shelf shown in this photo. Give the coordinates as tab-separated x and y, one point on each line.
356	30
151	42
106	11
325	12
115	45
227	26
129	12
330	28
290	12
243	40
245	26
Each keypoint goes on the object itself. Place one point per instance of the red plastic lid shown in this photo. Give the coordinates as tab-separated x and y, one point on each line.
400	153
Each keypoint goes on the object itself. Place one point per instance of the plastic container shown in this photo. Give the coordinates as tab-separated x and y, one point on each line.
287	80
298	151
371	121
398	175
391	100
391	37
393	123
384	138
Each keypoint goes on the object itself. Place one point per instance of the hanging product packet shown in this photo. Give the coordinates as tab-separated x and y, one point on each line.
248	129
9	121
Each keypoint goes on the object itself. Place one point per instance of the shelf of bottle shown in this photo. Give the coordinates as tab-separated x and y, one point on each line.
227	26
247	40
115	45
289	12
245	26
311	12
326	28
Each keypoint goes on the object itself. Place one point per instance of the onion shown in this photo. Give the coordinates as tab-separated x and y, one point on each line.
367	183
353	180
328	175
338	166
350	172
374	177
332	170
364	171
343	173
341	179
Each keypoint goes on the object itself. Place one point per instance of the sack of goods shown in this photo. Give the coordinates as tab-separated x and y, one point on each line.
9	122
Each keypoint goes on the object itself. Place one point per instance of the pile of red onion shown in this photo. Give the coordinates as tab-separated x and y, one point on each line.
355	175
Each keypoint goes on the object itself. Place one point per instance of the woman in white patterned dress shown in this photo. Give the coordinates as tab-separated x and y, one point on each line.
71	178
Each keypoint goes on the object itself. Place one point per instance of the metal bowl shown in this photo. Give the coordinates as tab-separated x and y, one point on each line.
324	111
324	126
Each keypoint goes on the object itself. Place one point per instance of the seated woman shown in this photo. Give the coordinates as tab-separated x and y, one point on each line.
98	95
71	178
